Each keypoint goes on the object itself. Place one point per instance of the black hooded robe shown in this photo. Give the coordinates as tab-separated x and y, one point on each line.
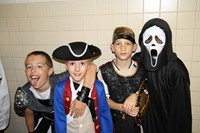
169	88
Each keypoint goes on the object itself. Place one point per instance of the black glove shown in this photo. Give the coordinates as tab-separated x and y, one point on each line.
83	94
83	97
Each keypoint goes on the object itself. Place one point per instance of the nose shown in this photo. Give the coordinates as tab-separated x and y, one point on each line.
33	70
153	45
123	47
77	67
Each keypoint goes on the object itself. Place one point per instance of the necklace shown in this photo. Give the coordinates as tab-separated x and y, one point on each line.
131	64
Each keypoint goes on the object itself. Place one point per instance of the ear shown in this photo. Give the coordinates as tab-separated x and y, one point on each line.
134	48
51	70
88	67
66	67
112	48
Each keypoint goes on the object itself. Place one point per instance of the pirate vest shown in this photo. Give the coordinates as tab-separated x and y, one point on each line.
119	87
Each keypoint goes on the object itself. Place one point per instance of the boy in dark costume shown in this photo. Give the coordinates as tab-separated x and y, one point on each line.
122	77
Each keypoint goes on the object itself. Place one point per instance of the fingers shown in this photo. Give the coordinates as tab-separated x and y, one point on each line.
129	103
128	107
130	110
77	108
134	112
78	113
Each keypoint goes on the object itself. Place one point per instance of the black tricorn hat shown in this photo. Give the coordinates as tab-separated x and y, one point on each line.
76	51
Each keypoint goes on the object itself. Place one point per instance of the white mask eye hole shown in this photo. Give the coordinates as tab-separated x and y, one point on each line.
148	40
158	40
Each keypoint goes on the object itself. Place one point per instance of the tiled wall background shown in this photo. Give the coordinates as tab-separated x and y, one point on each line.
27	25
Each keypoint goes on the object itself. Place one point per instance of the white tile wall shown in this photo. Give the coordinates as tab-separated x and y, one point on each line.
151	5
169	5
27	25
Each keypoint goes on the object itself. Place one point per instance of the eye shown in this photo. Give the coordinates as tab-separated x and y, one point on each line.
117	43
83	63
39	66
148	40
71	63
128	43
158	40
28	67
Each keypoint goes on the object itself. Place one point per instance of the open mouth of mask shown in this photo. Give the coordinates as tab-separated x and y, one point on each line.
154	40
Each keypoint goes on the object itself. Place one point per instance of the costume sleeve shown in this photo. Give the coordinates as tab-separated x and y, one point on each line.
4	100
180	109
100	78
104	111
59	77
59	112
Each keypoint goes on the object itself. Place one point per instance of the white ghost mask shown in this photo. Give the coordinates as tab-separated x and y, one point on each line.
154	40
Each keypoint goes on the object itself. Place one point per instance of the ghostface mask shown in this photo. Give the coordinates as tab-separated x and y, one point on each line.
154	40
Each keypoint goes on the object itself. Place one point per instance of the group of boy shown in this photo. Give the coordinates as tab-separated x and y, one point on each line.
75	102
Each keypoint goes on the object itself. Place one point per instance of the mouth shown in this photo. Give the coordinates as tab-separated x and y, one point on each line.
122	54
154	55
34	80
77	74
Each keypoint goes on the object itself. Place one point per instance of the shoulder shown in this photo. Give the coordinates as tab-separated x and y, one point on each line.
105	65
97	82
60	85
178	70
54	78
137	57
99	86
26	86
177	66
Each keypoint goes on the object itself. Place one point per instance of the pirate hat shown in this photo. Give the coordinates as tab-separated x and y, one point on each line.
76	51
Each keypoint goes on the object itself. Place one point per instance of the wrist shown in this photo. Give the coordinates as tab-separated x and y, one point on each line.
83	94
121	108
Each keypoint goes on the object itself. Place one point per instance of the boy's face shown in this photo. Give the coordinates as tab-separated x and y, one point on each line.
123	48
38	72
77	69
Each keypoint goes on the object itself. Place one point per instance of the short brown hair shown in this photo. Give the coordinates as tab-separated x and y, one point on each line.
45	55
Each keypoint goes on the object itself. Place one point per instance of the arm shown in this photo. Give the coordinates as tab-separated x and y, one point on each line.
132	110
90	76
112	104
29	119
77	106
180	109
104	114
129	105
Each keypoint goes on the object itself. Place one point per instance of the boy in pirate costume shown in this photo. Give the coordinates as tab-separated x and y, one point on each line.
96	118
169	85
35	99
122	77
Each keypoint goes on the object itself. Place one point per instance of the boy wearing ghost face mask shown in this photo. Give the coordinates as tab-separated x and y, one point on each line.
169	84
